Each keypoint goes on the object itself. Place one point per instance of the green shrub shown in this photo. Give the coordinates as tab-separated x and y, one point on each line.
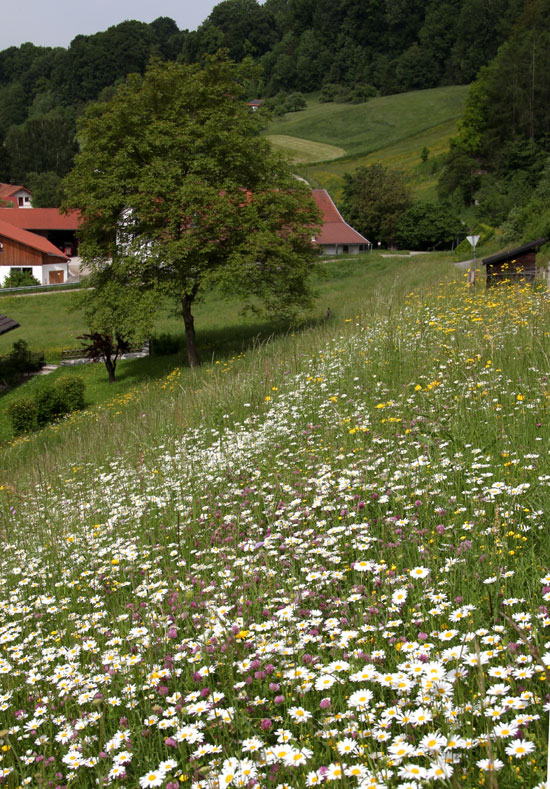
47	404
362	93
333	92
70	391
22	415
18	361
23	360
464	250
19	278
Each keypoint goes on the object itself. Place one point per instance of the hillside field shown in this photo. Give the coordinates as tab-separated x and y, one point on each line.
391	130
324	559
49	324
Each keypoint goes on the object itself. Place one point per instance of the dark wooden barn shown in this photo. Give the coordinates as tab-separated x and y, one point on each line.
513	265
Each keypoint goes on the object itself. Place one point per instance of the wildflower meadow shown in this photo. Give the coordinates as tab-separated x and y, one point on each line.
343	579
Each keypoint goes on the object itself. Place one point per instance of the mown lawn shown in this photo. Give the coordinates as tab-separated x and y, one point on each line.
391	130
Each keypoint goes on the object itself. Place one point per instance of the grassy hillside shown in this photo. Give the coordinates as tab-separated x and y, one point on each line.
223	333
327	560
391	129
49	323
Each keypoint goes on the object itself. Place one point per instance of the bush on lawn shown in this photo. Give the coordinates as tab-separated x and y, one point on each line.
22	415
47	404
18	362
20	278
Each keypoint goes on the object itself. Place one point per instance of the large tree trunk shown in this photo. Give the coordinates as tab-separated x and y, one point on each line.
189	322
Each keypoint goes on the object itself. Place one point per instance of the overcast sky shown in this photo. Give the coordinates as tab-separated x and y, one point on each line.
54	23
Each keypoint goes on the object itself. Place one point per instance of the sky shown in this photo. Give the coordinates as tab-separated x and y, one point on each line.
54	23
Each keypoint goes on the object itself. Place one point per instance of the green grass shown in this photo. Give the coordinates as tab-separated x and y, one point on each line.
223	334
303	151
351	514
391	130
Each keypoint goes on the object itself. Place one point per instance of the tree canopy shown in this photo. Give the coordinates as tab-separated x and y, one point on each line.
178	190
499	154
383	46
428	226
374	200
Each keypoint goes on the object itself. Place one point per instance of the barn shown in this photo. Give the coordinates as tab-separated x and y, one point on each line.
20	249
336	236
50	223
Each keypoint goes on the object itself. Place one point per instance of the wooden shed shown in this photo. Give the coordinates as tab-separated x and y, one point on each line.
7	324
513	265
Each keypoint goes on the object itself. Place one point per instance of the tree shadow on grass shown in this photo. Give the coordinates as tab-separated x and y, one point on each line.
213	345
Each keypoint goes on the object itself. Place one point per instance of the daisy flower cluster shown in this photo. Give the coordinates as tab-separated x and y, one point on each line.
350	584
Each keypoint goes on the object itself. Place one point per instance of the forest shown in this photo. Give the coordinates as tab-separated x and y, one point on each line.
344	49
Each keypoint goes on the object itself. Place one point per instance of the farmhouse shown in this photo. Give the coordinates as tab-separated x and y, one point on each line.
513	265
20	249
336	236
15	196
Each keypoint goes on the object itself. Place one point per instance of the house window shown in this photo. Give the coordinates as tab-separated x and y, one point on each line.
25	270
345	248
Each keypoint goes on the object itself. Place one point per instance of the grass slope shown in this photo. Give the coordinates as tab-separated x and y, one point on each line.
390	129
223	333
325	561
305	150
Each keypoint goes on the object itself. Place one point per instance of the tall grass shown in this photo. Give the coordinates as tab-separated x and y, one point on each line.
322	560
222	331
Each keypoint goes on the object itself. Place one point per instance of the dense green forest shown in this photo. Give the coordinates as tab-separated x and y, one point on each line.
500	158
345	49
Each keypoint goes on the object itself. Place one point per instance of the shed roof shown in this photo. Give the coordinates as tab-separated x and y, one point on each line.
334	230
41	218
31	240
7	324
500	257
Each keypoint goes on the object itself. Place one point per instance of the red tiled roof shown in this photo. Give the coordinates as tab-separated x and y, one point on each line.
334	230
8	190
41	218
7	230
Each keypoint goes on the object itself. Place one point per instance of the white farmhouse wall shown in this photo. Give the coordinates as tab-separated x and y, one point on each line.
41	273
26	203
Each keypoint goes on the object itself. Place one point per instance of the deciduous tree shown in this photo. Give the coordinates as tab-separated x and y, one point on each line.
374	200
427	226
178	189
119	314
